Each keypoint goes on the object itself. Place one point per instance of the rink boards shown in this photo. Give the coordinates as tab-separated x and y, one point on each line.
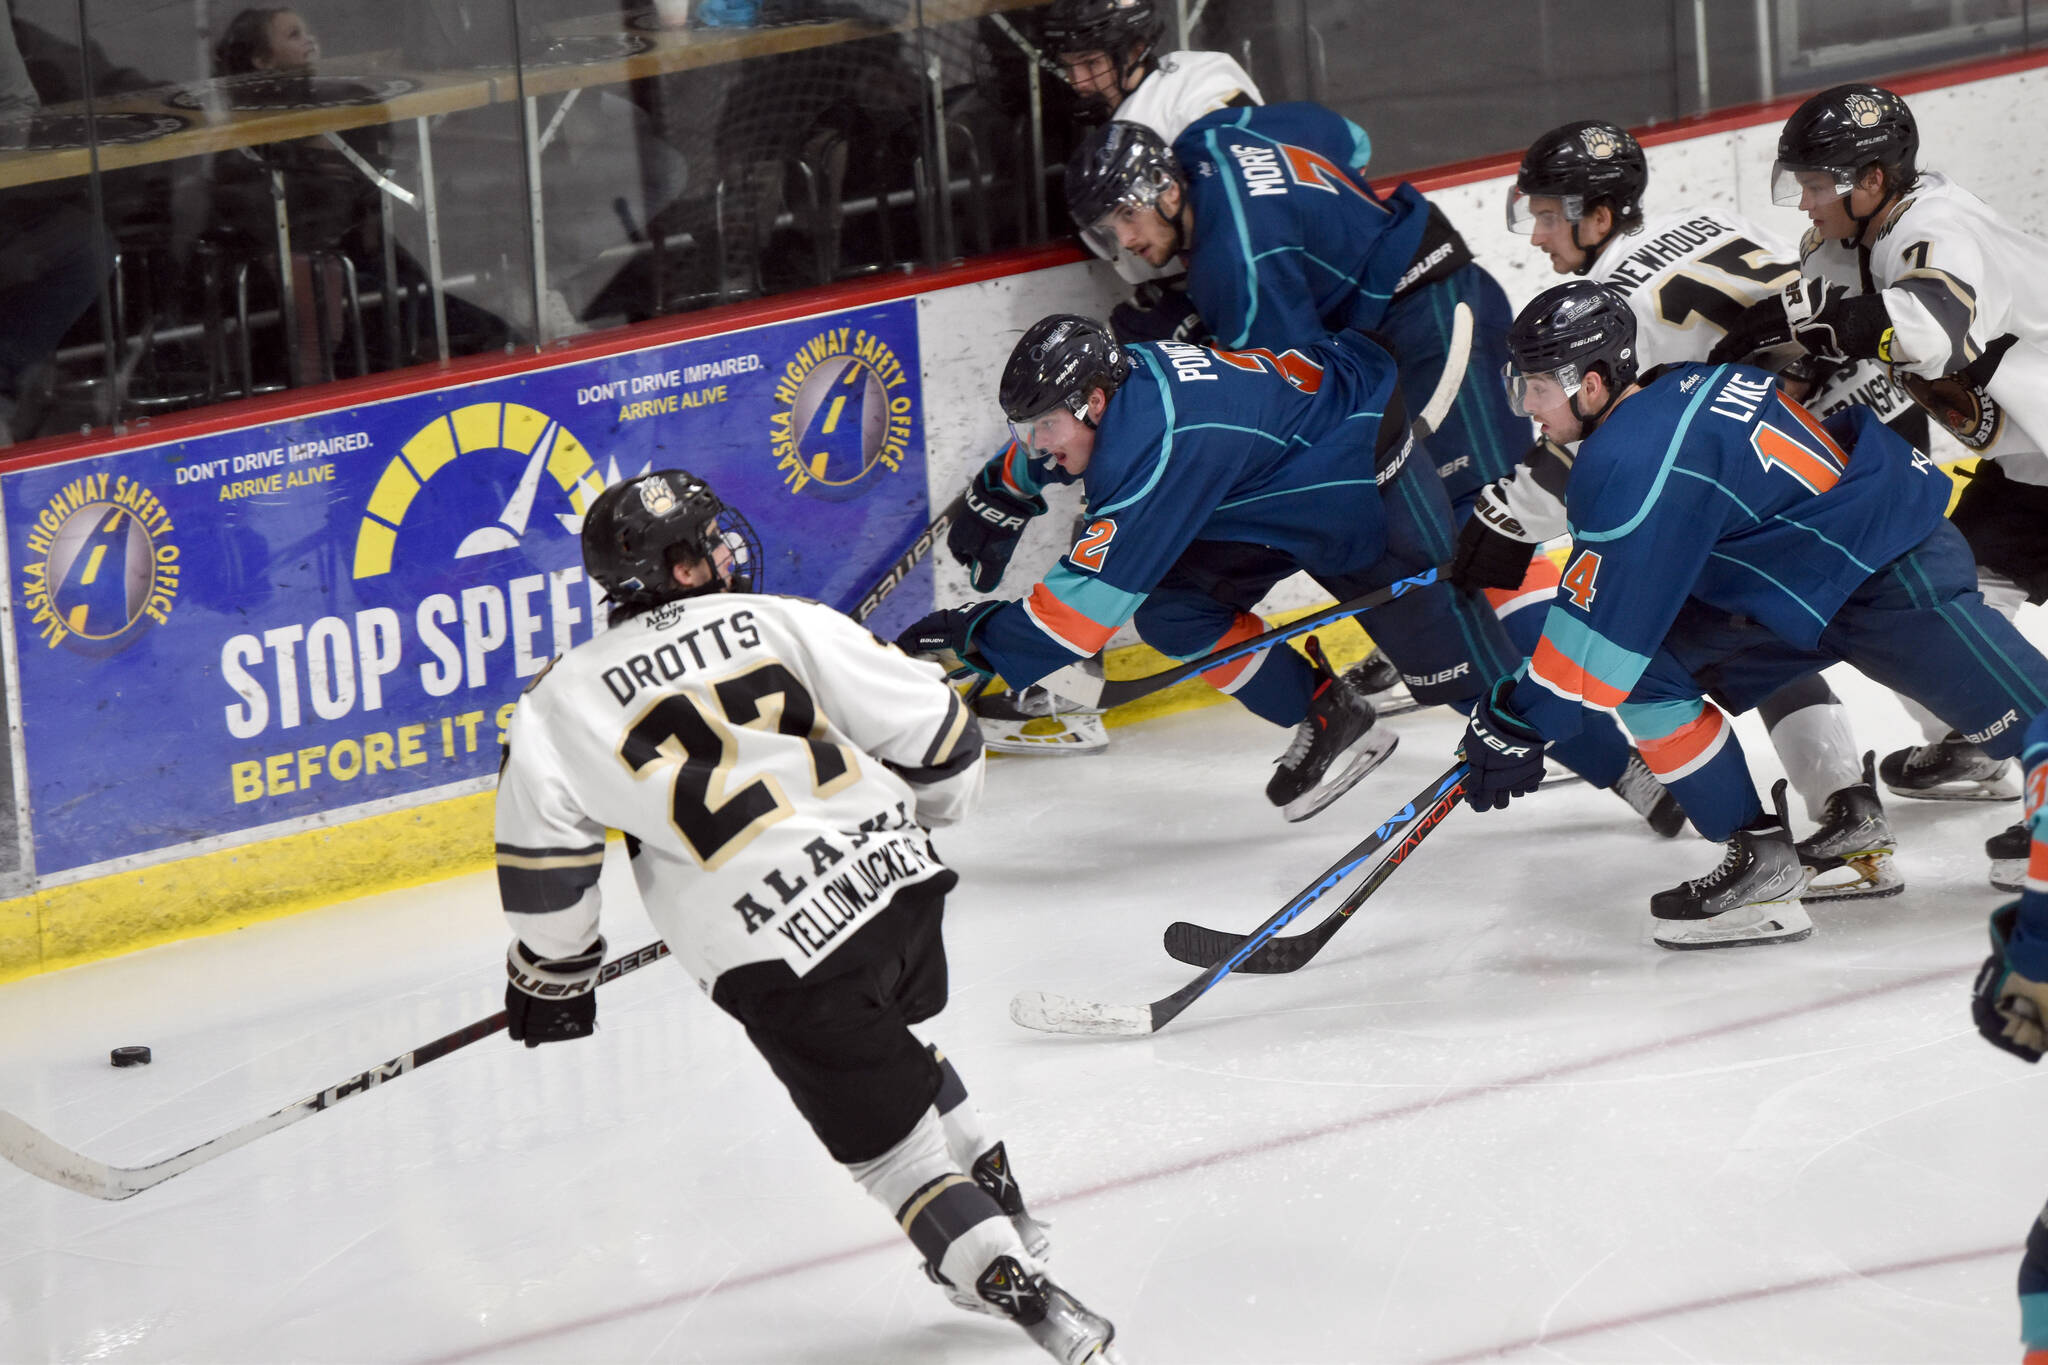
264	664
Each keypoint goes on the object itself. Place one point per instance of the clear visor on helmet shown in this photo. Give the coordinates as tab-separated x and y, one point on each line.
1103	236
1541	391
1037	434
1807	187
1527	212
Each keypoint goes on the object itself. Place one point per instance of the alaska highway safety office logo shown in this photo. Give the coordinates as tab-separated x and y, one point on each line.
842	408
101	566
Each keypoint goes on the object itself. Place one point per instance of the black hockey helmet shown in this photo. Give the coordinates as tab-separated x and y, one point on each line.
1115	165
1843	131
1056	363
1125	31
1565	333
1581	164
637	530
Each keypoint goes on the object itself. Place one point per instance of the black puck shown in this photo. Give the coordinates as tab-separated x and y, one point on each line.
130	1056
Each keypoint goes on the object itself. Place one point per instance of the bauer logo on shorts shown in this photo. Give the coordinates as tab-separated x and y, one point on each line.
101	567
842	410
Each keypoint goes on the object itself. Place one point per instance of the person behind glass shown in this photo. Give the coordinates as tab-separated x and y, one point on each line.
329	205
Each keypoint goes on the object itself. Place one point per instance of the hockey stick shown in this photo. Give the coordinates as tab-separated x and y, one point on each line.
893	576
45	1158
1196	946
1051	1013
1093	692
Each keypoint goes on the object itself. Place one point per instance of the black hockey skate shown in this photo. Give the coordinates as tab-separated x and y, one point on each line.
1049	1315
1855	836
1751	898
1950	769
1379	680
1648	797
991	1171
1332	750
2009	850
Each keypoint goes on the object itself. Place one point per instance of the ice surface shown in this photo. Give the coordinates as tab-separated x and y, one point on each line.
1491	1118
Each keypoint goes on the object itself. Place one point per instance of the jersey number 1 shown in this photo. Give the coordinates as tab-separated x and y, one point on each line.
680	730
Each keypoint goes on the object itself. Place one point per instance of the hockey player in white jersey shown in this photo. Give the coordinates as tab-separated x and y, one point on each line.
1688	276
773	767
1909	268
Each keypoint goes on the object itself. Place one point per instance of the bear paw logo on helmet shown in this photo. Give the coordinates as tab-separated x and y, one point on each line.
657	497
1864	110
1600	143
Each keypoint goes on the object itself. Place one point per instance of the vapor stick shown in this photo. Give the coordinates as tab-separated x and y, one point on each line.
894	575
1198	947
1084	689
45	1158
1050	1013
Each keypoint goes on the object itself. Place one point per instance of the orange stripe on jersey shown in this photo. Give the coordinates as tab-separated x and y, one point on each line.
1538	584
1009	480
1558	671
1082	634
1686	749
1228	677
1802	464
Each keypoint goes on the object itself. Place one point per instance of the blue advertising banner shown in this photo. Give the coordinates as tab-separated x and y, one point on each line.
274	623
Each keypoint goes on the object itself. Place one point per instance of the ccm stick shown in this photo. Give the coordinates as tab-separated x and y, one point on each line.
1049	1013
47	1159
1199	947
1098	694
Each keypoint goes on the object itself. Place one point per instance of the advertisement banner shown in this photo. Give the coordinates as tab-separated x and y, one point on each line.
289	620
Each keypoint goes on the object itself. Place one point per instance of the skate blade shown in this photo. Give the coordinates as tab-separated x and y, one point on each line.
1755	925
1056	736
1995	789
1371	753
1870	875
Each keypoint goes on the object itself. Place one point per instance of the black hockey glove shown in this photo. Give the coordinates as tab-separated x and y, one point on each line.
1505	754
948	636
1822	318
2007	1007
1158	311
551	1000
987	536
1493	548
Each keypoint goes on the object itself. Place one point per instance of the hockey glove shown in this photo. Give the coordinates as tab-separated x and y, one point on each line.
1505	753
2008	1007
948	636
1158	311
987	536
1822	318
551	1000
1493	548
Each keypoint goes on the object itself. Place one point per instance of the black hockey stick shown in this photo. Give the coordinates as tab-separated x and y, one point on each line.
1096	693
893	576
1050	1013
1198	947
1116	691
47	1159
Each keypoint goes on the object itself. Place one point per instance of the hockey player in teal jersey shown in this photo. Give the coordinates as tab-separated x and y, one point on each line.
1724	543
2010	1001
1210	476
1286	242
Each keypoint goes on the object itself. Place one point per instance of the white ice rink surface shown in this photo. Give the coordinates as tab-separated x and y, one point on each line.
1491	1119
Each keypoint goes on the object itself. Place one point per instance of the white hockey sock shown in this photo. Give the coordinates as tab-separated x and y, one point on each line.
1819	753
1932	727
951	1220
966	1139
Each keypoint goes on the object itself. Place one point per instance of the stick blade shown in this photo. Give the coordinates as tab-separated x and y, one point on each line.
43	1157
1049	1013
1200	947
